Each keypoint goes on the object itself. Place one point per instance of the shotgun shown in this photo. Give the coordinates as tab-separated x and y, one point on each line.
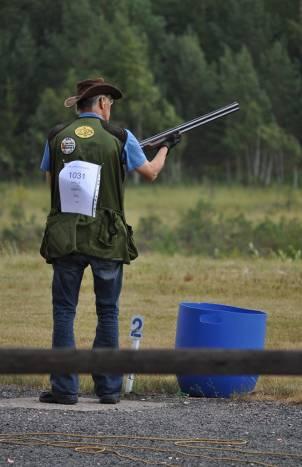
187	126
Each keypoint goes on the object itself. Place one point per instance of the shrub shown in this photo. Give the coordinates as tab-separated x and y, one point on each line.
202	231
22	235
152	234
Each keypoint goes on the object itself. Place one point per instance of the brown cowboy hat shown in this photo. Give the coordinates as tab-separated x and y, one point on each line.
90	88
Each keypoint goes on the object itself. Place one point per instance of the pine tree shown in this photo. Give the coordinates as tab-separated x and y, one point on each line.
239	81
283	84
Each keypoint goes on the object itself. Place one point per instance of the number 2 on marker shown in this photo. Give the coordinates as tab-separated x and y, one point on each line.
137	324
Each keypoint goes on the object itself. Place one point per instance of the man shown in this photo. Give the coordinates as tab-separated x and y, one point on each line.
85	162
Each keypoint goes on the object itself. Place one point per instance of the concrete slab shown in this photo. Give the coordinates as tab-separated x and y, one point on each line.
85	404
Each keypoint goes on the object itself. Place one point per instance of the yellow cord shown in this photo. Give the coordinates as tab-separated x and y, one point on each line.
83	445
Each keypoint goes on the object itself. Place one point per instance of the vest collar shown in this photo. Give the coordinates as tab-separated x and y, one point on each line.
90	114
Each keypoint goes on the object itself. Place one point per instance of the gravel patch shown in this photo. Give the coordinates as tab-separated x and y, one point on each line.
265	426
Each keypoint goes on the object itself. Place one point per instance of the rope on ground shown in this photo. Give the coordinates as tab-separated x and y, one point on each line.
84	445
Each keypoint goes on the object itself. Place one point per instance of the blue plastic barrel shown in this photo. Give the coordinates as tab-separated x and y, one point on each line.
211	325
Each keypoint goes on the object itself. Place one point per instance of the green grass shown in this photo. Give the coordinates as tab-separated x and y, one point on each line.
168	202
154	285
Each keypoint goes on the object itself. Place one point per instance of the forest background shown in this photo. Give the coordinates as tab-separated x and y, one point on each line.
174	60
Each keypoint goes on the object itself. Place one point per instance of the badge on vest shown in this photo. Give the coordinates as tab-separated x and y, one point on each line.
84	131
68	145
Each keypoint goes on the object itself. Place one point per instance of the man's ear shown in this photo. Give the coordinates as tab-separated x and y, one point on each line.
101	103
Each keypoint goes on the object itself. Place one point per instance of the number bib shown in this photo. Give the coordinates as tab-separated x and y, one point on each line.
79	186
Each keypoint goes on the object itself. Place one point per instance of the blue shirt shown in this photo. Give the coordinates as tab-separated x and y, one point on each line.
133	155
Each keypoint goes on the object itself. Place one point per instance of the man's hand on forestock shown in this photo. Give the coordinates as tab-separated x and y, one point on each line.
171	140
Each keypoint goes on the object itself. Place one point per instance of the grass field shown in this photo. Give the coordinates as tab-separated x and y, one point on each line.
154	285
168	202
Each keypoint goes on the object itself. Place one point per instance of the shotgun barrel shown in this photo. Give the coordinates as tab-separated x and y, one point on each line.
187	126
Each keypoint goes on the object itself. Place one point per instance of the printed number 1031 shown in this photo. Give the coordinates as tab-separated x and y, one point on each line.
77	175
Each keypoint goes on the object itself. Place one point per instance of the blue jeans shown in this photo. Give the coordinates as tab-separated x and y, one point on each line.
67	276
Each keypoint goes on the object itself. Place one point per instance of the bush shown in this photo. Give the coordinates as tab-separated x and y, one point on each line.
23	235
152	234
202	231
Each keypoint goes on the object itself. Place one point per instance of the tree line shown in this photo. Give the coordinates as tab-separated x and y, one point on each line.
174	61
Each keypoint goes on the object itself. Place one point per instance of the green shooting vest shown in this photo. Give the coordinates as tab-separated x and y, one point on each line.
106	235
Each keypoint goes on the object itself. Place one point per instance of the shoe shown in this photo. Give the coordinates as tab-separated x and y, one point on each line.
110	399
52	398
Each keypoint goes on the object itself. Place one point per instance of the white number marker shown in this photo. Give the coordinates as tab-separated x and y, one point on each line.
136	333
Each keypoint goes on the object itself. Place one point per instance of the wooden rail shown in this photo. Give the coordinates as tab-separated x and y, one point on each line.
152	361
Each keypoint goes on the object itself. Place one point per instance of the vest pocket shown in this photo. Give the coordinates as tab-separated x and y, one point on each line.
132	250
117	236
59	237
108	228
